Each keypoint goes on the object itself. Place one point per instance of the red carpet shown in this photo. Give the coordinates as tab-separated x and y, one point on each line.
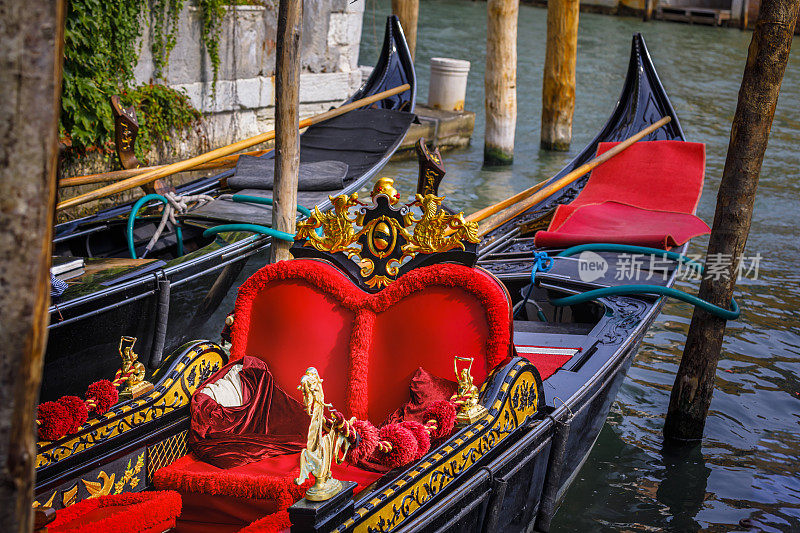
646	196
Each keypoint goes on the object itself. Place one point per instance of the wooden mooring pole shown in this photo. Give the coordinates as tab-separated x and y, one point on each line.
558	84
763	73
408	13
31	52
501	82
287	118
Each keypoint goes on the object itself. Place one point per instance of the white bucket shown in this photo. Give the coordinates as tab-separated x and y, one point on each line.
448	84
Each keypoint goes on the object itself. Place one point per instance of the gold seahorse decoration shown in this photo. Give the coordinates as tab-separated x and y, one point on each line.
338	230
437	230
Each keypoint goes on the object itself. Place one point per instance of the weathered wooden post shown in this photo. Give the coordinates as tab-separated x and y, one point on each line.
558	85
647	12
31	52
408	13
763	73
501	82
287	118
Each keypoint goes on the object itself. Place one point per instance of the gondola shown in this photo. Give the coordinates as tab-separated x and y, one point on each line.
379	299
173	291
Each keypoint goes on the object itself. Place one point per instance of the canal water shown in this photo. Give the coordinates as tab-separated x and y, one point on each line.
746	475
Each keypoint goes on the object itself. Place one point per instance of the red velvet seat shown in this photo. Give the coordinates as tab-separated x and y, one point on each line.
301	313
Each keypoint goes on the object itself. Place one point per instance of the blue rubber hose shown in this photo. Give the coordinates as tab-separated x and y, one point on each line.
728	314
132	219
255	228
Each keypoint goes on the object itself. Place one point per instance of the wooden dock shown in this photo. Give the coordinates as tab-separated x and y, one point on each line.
448	129
694	15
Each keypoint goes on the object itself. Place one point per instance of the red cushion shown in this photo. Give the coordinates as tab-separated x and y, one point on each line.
240	495
134	512
301	313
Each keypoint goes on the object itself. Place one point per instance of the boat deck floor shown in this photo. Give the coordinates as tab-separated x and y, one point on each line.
225	210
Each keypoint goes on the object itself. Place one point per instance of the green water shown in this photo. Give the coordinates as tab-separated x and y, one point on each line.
747	468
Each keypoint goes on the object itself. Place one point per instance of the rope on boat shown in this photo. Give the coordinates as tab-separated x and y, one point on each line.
541	263
174	204
624	290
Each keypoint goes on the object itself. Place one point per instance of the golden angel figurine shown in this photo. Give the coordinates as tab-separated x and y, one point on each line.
321	448
135	385
466	398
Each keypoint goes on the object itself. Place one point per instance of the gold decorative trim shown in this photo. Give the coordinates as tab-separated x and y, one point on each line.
172	393
380	237
387	510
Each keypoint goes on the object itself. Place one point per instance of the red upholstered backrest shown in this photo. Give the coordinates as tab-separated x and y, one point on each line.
301	313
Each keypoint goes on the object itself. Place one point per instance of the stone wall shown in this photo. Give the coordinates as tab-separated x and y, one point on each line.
244	103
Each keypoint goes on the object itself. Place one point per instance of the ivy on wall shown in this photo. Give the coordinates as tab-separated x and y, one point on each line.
100	53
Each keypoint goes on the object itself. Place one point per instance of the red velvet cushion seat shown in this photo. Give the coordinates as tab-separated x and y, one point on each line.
302	313
228	499
134	512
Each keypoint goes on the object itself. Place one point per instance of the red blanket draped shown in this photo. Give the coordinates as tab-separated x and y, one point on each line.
646	196
269	422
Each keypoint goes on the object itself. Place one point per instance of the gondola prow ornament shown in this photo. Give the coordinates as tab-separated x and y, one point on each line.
466	398
321	447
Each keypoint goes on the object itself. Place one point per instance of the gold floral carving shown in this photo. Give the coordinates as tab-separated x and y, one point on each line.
342	231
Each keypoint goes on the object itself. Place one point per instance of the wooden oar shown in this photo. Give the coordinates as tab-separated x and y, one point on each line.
117	175
499	213
180	166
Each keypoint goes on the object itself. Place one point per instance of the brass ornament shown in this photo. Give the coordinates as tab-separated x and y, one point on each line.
321	447
466	398
135	385
338	231
382	237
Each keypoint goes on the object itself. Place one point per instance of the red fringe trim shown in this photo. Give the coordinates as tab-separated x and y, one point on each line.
360	342
225	483
139	511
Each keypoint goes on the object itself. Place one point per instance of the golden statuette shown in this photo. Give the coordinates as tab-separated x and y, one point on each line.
135	384
321	447
466	398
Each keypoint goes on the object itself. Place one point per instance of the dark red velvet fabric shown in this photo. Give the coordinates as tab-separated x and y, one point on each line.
300	313
269	422
647	196
425	389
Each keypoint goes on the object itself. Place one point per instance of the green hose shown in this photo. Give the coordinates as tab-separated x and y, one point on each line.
728	314
255	228
132	219
622	290
247	199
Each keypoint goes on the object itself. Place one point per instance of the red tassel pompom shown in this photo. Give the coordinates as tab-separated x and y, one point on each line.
404	445
444	413
78	412
54	420
104	395
423	439
368	441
